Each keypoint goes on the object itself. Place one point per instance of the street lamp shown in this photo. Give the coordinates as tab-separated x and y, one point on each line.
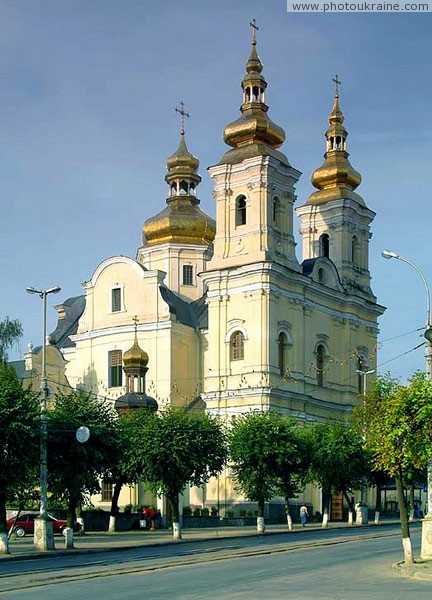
426	546
363	499
43	533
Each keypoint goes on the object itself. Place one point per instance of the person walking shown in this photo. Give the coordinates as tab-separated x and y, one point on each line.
303	514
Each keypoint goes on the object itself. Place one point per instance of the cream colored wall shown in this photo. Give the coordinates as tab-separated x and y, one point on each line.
170	258
259	179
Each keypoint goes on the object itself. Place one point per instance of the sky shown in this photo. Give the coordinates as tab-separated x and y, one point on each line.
87	97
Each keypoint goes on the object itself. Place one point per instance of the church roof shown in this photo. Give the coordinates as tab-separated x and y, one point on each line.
71	311
20	369
194	314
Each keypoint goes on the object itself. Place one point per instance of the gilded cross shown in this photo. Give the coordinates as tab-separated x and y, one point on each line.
254	30
337	83
183	114
136	321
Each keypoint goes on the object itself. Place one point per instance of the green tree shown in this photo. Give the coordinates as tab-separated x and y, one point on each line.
256	457
19	441
177	448
75	469
398	422
338	461
10	332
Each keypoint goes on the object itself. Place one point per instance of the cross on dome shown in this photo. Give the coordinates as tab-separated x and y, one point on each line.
337	83
183	114
255	28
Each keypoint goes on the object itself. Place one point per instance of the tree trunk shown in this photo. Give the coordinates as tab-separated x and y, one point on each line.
350	502
288	514
326	506
411	501
80	519
71	517
260	517
114	504
406	540
378	502
174	501
4	542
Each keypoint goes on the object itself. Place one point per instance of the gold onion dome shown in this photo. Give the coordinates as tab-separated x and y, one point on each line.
135	356
181	221
253	133
336	179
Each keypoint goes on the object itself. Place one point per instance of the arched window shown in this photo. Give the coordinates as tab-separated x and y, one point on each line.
174	189
321	276
237	346
247	94
276	212
355	250
320	358
241	211
324	245
282	352
183	188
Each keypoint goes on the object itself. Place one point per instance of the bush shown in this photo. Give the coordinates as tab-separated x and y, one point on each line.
229	514
250	513
187	511
242	512
205	512
197	512
128	509
214	511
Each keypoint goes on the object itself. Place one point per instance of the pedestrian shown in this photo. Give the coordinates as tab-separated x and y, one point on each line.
303	514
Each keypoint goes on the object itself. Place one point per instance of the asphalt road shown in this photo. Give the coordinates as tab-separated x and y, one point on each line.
330	564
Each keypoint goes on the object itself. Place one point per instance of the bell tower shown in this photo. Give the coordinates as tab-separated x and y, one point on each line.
254	183
335	221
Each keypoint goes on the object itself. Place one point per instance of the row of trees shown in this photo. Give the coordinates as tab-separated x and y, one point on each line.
270	454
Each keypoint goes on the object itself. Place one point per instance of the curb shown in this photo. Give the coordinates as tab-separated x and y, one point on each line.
421	569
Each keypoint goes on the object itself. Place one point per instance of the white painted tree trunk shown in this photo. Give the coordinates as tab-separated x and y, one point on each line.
69	538
407	548
325	520
4	543
80	520
260	525
289	522
377	517
350	517
112	524
411	515
177	531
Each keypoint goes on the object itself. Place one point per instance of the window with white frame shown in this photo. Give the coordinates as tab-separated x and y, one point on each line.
188	275
115	368
116	299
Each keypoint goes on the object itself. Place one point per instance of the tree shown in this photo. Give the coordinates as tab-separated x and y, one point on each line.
292	460
398	423
10	333
19	441
338	462
129	465
177	448
75	469
256	457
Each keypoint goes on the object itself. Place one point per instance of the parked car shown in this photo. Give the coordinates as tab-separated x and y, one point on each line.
25	524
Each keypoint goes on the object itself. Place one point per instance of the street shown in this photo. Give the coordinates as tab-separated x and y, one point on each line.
330	564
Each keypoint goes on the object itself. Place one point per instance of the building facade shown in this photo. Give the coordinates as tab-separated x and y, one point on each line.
229	317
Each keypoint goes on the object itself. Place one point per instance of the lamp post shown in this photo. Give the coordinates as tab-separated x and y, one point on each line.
43	533
426	546
363	501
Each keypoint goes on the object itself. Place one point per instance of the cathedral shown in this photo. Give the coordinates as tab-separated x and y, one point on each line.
220	315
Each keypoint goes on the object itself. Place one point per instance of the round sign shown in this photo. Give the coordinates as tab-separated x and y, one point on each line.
82	434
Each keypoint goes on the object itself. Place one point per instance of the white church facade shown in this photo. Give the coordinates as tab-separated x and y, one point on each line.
230	319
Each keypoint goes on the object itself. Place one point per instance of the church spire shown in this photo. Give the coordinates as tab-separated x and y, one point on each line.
336	178
253	128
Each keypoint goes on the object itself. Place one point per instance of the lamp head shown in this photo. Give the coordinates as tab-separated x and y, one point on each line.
389	254
428	333
53	290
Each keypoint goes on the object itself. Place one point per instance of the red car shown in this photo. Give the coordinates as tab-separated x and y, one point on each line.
25	524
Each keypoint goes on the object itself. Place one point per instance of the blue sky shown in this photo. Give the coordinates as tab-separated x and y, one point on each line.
87	97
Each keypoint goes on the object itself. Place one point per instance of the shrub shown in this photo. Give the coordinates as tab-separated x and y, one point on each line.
197	512
205	512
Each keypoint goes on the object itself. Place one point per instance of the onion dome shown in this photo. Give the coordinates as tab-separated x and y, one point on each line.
336	179
253	133
135	356
181	221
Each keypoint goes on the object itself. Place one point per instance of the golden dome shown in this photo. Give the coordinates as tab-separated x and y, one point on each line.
253	133
181	221
336	179
135	356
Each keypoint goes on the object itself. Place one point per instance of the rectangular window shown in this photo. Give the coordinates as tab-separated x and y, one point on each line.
116	304
115	367
187	275
107	490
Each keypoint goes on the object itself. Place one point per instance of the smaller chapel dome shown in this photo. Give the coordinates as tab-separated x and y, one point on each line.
135	356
